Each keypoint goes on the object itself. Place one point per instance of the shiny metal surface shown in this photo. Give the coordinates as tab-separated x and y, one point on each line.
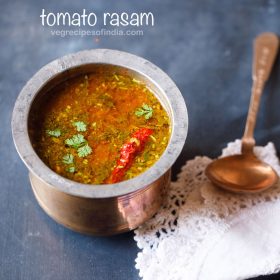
245	173
96	209
101	216
241	173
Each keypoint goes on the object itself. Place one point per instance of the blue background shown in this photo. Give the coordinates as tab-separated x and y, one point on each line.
206	48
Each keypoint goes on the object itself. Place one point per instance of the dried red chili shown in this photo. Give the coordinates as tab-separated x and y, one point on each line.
128	152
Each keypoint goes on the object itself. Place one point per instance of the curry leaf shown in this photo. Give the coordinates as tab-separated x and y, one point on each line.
84	151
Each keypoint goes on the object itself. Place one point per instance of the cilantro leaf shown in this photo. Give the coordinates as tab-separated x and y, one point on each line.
68	159
80	126
145	111
55	133
148	115
84	151
139	112
71	169
146	107
76	141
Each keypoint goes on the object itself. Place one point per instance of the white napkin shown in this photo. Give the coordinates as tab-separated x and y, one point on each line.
202	232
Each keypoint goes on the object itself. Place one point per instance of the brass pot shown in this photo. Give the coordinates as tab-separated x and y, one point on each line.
99	209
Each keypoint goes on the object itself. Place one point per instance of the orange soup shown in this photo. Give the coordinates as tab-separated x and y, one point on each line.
101	128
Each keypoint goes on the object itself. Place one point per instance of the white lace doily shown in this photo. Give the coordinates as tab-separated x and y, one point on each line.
205	233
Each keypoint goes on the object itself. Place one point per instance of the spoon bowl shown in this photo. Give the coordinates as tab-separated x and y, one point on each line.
243	173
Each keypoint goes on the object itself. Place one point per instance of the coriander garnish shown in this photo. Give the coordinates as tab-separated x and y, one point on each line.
55	133
80	126
79	142
71	169
84	151
76	141
68	159
145	111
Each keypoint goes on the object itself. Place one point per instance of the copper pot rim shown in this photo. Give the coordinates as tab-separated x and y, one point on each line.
179	120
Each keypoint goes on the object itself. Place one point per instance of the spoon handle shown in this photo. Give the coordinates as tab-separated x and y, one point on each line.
265	51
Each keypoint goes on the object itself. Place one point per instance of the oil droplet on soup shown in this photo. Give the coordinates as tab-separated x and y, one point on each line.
101	128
